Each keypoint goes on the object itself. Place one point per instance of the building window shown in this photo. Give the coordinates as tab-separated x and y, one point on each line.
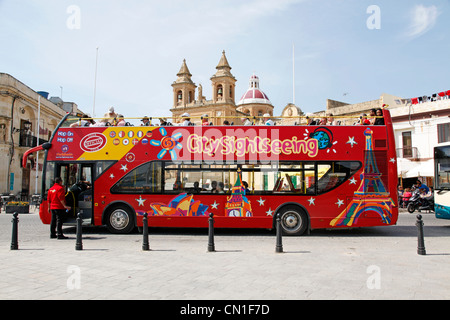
407	144
443	132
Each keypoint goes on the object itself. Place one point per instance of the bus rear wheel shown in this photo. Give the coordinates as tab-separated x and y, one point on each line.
294	221
120	220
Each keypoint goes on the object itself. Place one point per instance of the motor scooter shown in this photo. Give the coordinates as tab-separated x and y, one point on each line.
416	202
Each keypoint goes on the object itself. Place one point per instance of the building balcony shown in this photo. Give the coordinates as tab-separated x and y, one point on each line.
29	141
410	153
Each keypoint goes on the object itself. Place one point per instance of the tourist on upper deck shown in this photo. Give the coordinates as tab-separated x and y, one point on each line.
102	123
186	117
145	122
163	122
205	121
120	121
110	115
85	121
267	120
246	122
331	121
379	121
372	115
364	121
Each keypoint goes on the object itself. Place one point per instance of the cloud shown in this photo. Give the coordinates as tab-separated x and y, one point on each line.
423	20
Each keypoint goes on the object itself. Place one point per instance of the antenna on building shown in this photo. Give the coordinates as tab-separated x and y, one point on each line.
95	84
293	73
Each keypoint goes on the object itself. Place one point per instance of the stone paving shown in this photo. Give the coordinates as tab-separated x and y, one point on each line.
373	263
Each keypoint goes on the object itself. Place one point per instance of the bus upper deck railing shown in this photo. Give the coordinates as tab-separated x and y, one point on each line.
81	121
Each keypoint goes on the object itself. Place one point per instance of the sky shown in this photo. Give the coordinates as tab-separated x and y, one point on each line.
303	51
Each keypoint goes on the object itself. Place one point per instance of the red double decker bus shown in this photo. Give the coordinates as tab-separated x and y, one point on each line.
314	177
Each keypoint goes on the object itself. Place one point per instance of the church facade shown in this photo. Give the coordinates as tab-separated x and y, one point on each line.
189	98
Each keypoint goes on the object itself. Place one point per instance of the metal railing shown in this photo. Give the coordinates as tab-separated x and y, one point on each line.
408	153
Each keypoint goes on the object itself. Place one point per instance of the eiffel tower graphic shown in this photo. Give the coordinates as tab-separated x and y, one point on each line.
371	196
237	203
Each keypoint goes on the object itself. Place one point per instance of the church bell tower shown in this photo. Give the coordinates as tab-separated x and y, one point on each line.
183	88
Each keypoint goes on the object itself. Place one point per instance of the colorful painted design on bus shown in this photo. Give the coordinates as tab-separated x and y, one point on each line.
371	196
168	144
183	205
238	204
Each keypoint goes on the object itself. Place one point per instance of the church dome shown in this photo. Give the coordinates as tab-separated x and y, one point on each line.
254	94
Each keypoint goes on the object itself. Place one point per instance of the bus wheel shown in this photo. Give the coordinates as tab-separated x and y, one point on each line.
294	221
120	220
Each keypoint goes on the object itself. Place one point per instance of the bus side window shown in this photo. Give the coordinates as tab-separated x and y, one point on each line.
278	184
143	179
336	174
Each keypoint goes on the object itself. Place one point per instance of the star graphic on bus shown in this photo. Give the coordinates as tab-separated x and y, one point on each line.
124	167
270	212
351	141
340	203
312	201
214	205
261	202
168	144
140	201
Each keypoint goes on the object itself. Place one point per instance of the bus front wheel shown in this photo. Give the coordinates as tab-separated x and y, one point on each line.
120	220
294	221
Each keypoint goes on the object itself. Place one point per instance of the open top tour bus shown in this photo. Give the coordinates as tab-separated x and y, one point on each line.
314	177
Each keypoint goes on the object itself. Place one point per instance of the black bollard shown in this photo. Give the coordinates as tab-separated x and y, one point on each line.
145	244
420	240
14	238
211	247
79	243
279	246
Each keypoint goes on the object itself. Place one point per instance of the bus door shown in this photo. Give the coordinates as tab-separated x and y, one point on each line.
77	179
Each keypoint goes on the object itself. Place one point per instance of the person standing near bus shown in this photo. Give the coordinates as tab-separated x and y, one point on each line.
422	186
57	207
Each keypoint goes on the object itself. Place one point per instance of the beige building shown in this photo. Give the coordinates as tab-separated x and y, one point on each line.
351	112
20	110
419	123
188	98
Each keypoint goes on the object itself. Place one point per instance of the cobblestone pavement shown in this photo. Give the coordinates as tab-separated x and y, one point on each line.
373	263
